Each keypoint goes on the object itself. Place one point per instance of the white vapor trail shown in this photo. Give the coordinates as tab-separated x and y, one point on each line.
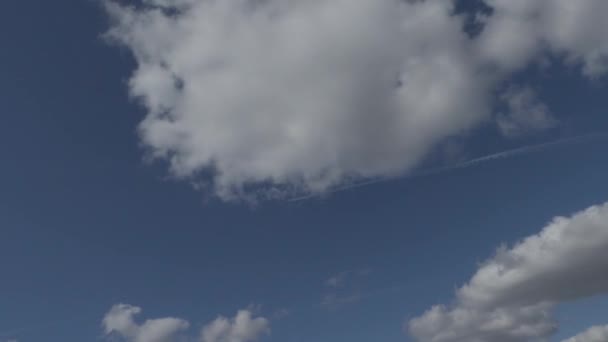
469	163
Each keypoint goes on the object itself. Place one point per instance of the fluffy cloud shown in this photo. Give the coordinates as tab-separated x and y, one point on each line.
264	98
120	321
243	328
299	93
520	30
511	296
593	334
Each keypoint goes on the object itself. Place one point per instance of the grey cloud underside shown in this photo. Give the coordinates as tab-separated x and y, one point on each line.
299	96
512	295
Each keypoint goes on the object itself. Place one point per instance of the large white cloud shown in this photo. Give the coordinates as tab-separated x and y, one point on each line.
120	321
287	95
300	93
511	296
593	334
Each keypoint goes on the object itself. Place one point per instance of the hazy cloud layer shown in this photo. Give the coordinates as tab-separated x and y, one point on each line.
511	296
263	98
120	321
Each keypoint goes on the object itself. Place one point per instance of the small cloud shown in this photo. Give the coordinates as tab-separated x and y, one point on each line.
280	314
344	288
120	321
336	280
525	114
242	328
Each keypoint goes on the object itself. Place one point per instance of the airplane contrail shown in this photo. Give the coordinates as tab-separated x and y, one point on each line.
469	163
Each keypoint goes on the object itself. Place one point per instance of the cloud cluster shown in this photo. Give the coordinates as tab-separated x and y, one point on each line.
274	96
120	321
511	296
593	334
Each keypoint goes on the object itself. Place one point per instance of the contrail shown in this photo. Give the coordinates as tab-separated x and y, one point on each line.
469	163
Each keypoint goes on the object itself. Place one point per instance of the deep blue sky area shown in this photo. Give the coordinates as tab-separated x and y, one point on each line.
86	223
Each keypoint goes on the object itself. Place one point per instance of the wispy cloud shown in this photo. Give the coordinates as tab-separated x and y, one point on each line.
345	288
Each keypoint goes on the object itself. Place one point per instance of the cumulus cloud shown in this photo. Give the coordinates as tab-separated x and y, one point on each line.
264	98
525	113
299	93
120	321
242	328
511	296
593	334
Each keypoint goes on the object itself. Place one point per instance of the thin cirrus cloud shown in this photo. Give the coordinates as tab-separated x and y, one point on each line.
244	327
511	296
259	99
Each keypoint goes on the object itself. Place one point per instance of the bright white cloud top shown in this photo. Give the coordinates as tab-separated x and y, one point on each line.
303	95
244	327
511	296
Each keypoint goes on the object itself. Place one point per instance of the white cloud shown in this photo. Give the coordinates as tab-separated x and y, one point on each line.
299	94
242	328
520	30
120	321
511	296
286	95
341	279
593	334
525	114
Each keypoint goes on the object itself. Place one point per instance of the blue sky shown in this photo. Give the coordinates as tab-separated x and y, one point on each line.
87	223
